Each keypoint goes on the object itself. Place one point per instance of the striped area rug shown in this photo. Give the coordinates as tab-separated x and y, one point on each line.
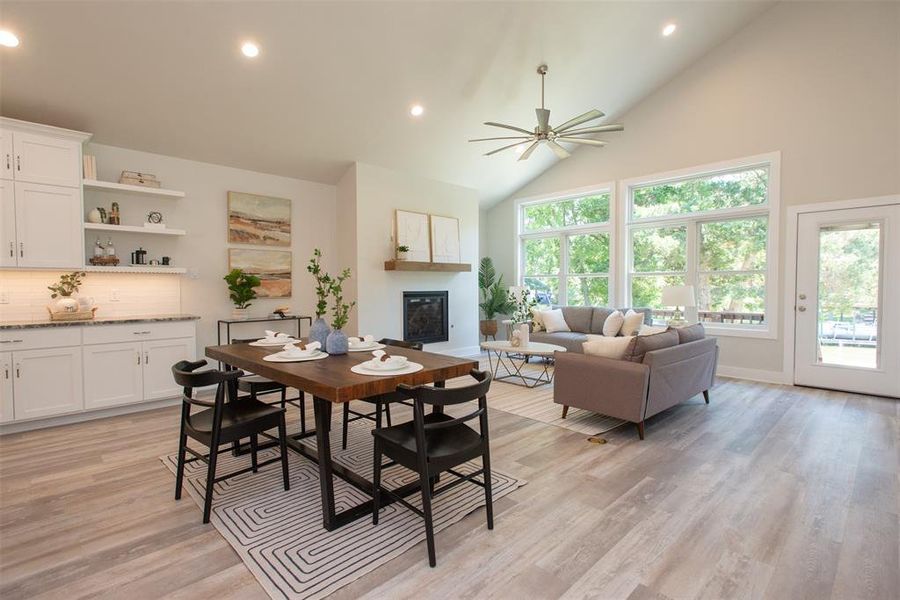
279	534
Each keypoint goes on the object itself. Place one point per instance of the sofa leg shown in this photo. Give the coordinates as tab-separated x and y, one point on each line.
706	396
640	427
565	411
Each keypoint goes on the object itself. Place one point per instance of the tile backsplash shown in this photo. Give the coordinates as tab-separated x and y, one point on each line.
138	294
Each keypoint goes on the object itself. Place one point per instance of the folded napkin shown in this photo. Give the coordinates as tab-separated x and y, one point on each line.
363	340
295	350
276	335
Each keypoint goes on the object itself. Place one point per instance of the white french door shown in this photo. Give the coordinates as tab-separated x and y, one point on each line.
847	302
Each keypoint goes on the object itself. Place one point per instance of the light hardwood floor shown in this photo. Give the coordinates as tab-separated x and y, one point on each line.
769	491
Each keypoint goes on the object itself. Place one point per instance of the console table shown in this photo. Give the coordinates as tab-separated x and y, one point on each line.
271	319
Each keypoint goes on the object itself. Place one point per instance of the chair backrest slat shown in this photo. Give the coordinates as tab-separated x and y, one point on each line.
425	395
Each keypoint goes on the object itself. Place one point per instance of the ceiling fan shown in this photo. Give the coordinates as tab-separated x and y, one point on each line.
544	133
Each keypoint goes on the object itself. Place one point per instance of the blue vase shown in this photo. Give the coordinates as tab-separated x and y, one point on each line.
336	342
319	332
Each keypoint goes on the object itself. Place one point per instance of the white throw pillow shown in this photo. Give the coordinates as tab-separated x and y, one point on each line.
651	330
537	319
632	323
607	347
554	321
613	323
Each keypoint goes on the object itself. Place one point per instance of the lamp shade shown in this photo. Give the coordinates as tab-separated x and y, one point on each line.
678	295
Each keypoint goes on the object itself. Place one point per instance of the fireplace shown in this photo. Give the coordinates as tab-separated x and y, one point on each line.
425	317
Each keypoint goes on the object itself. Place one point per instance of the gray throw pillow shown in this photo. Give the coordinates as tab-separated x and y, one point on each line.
642	344
691	334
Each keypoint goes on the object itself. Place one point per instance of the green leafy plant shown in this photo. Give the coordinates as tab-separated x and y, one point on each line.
340	310
523	301
241	286
68	284
403	248
494	299
323	282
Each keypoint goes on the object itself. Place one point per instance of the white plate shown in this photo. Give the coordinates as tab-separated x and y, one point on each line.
372	348
410	367
281	358
264	343
370	364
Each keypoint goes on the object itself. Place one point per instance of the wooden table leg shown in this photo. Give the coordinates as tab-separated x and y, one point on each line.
322	410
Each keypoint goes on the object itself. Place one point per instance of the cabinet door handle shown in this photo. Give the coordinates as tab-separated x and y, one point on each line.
18	163
6	371
18	371
7	161
12	250
21	249
138	358
146	358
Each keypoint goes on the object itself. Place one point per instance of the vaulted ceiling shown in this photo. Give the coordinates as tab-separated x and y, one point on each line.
334	80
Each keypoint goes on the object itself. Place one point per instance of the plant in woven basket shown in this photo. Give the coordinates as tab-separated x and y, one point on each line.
341	309
68	284
240	287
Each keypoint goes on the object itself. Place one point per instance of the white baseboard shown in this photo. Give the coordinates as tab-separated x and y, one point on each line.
7	428
754	374
464	352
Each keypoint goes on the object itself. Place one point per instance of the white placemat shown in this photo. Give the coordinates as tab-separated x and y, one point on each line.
362	369
367	348
264	343
280	357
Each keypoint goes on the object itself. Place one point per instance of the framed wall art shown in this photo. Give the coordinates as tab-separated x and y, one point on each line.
259	220
444	239
412	231
273	267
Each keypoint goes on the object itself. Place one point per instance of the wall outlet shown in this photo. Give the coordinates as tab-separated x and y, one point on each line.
193	273
4	297
114	295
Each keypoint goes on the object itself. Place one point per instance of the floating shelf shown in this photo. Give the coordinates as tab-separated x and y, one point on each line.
133	229
146	269
410	265
96	184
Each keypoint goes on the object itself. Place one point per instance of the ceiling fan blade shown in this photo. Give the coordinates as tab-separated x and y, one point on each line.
543	119
581	141
529	150
508	137
502	149
559	150
597	129
588	116
525	131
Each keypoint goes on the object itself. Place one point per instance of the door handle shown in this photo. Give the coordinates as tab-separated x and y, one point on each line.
801	308
802	296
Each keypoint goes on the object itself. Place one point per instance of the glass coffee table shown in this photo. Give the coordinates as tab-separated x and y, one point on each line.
514	358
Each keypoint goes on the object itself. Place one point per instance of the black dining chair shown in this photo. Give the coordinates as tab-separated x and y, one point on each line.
257	385
381	402
221	423
434	443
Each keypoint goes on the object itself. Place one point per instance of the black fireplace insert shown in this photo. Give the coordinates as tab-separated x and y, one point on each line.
425	317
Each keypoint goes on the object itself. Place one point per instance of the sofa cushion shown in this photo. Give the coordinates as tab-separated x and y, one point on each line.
578	317
554	321
607	347
652	329
537	319
570	340
691	333
613	324
599	318
642	344
632	323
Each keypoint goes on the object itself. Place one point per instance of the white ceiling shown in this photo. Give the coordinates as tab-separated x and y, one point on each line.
334	81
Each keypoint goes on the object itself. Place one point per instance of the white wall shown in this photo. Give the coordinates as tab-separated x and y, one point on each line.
202	213
379	192
819	82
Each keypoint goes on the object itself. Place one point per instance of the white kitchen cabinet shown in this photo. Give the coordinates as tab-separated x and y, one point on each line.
49	230
8	247
47	382
159	356
7	158
46	159
113	375
6	387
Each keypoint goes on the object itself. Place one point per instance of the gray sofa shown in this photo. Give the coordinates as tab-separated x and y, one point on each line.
648	384
581	320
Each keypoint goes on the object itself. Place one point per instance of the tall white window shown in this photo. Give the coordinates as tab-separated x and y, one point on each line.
565	249
713	229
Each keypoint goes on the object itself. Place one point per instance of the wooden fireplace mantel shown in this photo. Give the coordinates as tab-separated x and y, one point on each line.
411	265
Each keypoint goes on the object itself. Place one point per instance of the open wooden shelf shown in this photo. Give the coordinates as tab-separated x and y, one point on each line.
96	184
410	265
145	269
134	229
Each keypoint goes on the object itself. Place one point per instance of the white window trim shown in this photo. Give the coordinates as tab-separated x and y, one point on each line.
610	228
772	208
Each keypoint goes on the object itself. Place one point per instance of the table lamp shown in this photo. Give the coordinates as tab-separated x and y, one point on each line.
678	296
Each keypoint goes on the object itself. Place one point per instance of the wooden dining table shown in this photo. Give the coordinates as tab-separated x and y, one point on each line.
330	382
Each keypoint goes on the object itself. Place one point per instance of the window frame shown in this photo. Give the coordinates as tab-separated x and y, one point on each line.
693	222
562	233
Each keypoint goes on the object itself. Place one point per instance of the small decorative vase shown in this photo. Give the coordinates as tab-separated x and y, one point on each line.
240	313
64	304
319	332
402	255
336	342
524	334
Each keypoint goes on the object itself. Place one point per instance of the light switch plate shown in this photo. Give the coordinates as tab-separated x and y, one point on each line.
4	297
114	295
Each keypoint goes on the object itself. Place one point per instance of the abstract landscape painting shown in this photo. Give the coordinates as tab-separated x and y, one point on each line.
261	220
273	267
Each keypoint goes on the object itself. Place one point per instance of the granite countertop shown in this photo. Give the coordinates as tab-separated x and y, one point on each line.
96	321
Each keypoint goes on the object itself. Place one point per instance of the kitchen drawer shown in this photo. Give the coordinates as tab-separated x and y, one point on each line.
137	332
49	337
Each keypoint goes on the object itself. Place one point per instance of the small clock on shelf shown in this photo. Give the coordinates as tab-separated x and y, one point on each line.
155	220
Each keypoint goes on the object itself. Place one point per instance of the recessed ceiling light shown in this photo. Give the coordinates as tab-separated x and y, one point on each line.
669	29
416	110
250	50
8	39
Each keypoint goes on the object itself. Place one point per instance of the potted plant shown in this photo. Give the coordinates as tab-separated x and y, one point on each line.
241	292
319	330
336	342
523	301
494	300
402	252
63	290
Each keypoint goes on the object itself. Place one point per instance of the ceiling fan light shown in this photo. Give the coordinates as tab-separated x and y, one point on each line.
669	29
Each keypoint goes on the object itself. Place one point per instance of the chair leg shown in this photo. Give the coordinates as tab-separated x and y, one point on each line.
376	482
488	494
640	428
179	471
302	412
345	425
283	398
210	482
706	396
387	412
254	447
282	440
426	508
565	411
